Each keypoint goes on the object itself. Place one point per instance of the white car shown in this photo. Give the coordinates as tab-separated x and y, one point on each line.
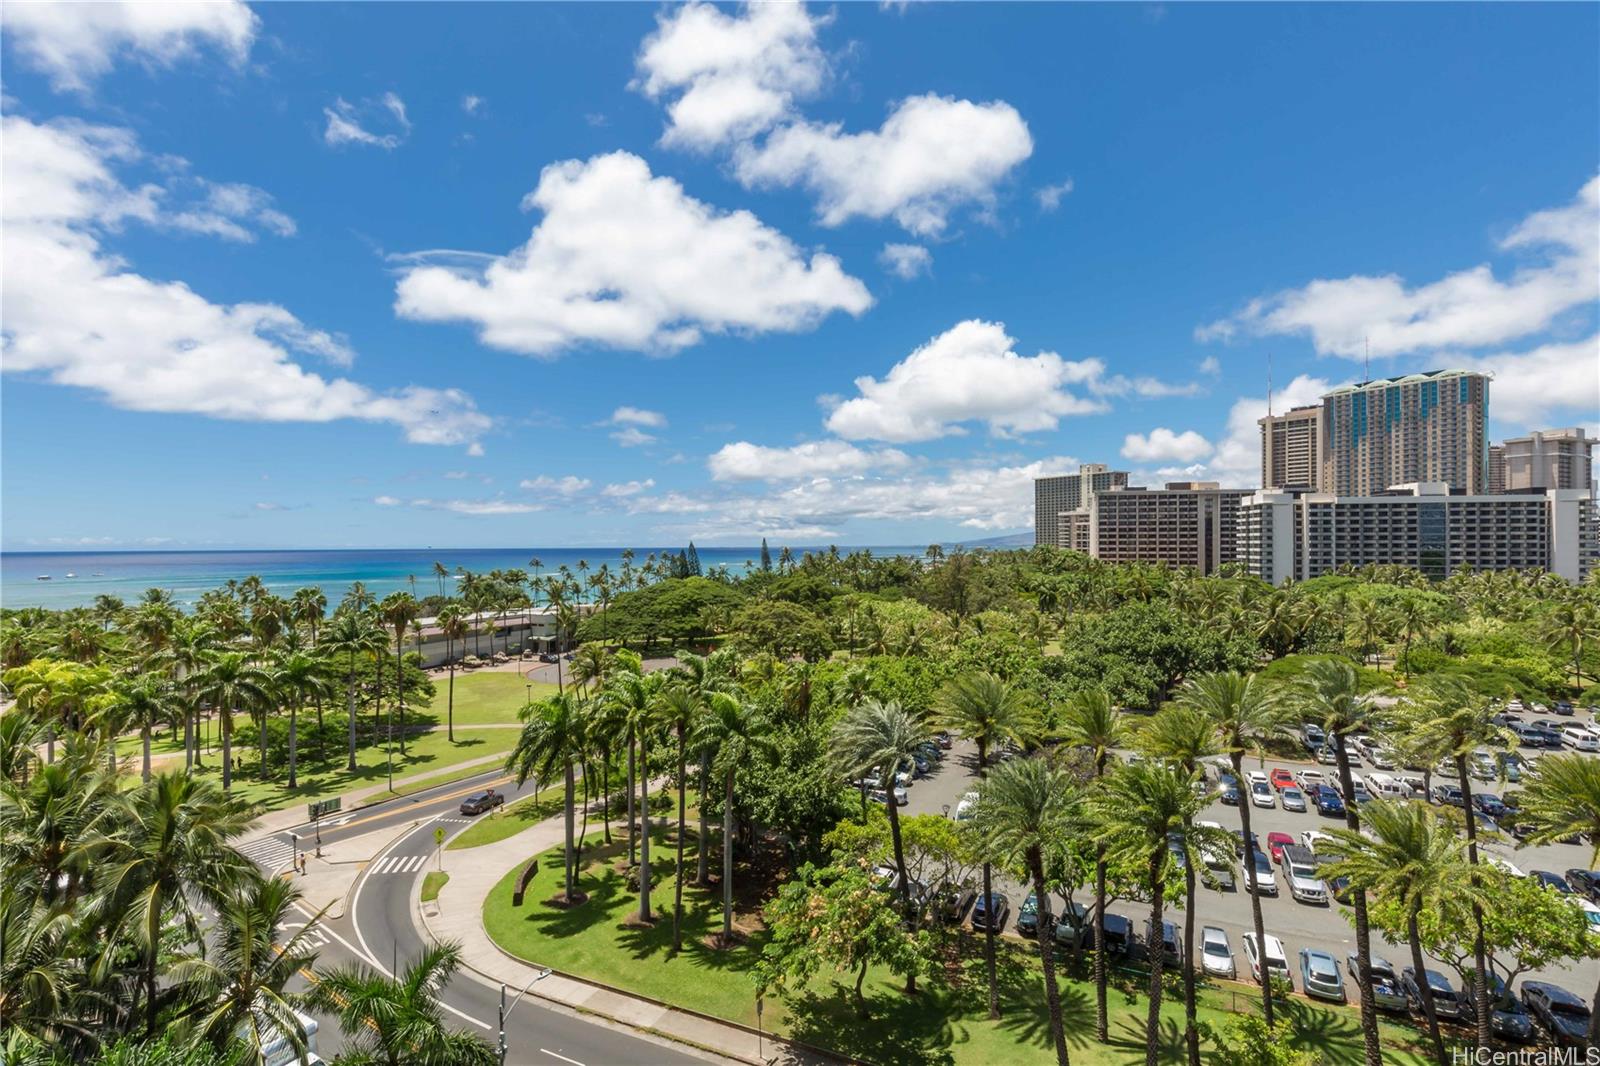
1261	794
1310	781
1300	870
1505	867
1380	757
964	808
1313	839
1277	962
1216	954
1591	913
1266	880
1252	776
1579	739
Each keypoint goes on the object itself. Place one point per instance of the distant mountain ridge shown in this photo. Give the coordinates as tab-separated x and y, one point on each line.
1010	540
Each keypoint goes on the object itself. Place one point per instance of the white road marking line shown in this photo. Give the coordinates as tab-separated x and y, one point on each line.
563	1058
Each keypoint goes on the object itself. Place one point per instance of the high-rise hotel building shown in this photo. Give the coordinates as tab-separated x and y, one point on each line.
1053	495
1548	459
1291	449
1421	428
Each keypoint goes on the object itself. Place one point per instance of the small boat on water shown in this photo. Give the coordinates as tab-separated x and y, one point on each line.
42	577
71	574
98	573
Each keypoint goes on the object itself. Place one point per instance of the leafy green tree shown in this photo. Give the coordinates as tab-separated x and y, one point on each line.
1570	625
1246	1040
1024	808
352	634
739	734
831	918
552	742
231	683
783	629
395	1021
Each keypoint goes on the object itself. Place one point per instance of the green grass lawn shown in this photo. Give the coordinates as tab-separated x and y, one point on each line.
483	698
432	882
428	752
946	1022
511	819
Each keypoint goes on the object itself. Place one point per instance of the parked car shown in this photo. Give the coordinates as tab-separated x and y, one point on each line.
1293	799
1564	1016
1358	792
1447	794
1119	934
1508	1019
1300	870
965	806
1512	766
1266	883
1261	794
1169	943
1340	887
1228	787
1312	839
1216	954
943	739
1281	778
1591	914
1483	766
1319	975
1238	842
1446	1002
1489	804
1312	736
951	902
1386	991
1309	781
1028	916
1326	756
1276	961
1563	708
885	878
878	795
1585	883
478	802
1275	845
1074	927
1553	881
1579	738
1328	802
989	912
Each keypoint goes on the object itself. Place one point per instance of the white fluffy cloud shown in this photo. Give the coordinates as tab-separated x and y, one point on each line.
1469	309
1237	460
637	416
345	122
74	43
968	373
1162	445
729	76
619	490
1050	196
1535	389
932	155
627	260
743	461
906	260
76	315
476	508
560	486
633	437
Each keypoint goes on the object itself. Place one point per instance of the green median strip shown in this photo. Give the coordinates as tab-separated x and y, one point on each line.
432	883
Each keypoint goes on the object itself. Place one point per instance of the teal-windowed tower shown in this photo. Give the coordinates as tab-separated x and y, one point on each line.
1398	431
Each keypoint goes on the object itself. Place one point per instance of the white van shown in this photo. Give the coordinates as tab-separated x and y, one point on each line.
1386	787
279	1051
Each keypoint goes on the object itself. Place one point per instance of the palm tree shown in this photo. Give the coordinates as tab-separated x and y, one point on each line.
1331	693
353	633
1090	721
633	697
1573	621
399	610
453	627
171	850
1136	808
1446	718
1560	800
296	677
398	1020
1024	810
239	981
440	573
146	703
1184	735
989	712
1410	855
552	741
48	821
231	682
880	738
738	733
681	707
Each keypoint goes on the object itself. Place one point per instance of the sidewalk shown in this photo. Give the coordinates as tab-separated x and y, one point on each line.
289	817
458	915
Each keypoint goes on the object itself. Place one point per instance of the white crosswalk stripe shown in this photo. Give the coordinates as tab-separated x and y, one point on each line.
453	821
270	853
399	864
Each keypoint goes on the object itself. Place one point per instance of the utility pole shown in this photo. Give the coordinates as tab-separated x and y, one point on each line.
505	1010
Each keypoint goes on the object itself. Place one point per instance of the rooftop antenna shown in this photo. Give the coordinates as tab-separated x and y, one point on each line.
1269	384
1366	364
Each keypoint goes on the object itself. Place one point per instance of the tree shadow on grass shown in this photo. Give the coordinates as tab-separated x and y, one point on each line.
1128	1037
1027	1016
898	1029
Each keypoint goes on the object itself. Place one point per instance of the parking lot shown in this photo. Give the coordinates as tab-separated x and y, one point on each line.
1297	924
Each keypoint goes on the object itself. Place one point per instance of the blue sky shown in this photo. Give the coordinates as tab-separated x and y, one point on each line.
347	275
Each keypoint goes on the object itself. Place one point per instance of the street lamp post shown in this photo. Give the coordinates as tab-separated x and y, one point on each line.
294	851
505	1010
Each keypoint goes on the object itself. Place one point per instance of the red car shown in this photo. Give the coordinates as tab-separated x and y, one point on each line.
1281	779
1275	844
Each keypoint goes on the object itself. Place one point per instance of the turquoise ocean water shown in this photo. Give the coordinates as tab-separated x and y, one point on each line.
188	574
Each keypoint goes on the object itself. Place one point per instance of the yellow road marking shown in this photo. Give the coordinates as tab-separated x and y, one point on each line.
449	795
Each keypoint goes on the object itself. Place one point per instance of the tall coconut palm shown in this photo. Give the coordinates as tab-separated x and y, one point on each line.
146	702
1184	735
399	610
171	852
739	734
633	698
1091	721
1331	693
1561	799
351	634
231	682
1025	810
704	674
49	823
399	1020
1135	809
1410	855
295	677
1573	621
989	712
453	627
681	707
240	982
879	739
552	741
1445	718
